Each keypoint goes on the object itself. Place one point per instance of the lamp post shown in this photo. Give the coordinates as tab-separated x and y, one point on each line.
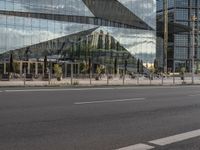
90	61
193	19
165	38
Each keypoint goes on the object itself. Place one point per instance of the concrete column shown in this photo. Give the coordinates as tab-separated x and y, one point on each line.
20	67
36	68
4	67
29	67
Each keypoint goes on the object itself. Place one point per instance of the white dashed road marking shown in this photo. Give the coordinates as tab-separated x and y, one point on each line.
56	90
137	147
109	101
194	95
164	141
101	88
176	138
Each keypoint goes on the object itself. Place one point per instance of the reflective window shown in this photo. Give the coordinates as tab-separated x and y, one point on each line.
66	7
181	3
45	26
2	5
181	53
181	14
144	9
181	40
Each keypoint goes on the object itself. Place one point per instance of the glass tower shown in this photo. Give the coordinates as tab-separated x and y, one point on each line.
180	44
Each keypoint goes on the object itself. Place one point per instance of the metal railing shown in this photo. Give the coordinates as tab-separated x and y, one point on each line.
101	79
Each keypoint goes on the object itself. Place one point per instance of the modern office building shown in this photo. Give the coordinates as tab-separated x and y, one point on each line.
180	43
112	33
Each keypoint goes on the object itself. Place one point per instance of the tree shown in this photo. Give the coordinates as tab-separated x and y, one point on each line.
115	66
182	73
138	66
84	67
100	40
113	44
125	66
58	71
156	65
107	41
152	69
45	64
98	70
142	67
11	69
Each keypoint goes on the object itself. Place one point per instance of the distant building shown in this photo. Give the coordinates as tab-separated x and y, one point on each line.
104	32
180	44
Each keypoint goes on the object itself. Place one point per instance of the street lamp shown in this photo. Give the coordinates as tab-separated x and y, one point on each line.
165	38
193	19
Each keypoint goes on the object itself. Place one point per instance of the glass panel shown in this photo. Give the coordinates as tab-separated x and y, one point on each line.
2	5
66	7
18	32
144	9
181	3
139	43
107	43
181	14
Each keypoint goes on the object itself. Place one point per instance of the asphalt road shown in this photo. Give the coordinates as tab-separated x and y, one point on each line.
99	119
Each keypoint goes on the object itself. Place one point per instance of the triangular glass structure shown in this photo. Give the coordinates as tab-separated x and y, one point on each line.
64	7
145	10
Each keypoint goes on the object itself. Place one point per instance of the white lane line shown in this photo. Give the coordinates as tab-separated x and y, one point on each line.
109	101
100	88
194	95
72	89
49	90
137	147
176	138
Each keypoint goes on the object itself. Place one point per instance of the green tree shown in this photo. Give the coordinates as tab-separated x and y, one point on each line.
138	66
83	67
58	71
156	65
182	73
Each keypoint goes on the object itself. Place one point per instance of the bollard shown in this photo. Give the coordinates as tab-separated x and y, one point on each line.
24	76
138	79
107	79
72	71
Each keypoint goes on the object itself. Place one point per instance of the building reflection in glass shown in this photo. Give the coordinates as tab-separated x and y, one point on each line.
71	30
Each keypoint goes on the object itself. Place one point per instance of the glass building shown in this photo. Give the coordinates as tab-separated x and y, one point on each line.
180	44
111	33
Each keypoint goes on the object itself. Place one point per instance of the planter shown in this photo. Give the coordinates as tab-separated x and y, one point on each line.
96	78
59	78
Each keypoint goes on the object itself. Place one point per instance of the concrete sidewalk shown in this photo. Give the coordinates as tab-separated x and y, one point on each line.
101	82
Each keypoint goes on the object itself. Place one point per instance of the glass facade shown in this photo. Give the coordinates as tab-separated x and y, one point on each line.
180	44
108	31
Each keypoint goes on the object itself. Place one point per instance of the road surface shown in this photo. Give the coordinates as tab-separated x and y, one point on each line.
124	118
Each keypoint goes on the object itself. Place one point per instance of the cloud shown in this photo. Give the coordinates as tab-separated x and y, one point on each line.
144	9
66	7
12	38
